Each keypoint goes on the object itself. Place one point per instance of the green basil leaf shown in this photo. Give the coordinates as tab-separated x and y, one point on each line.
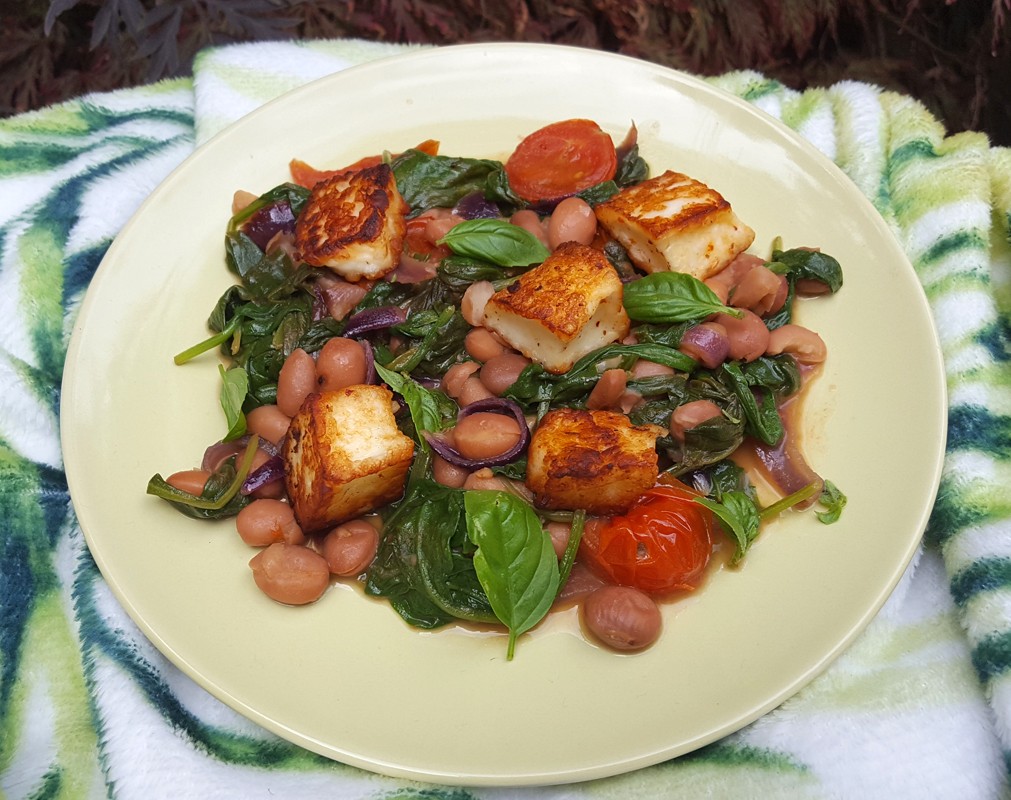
234	385
671	297
739	516
424	405
515	561
497	241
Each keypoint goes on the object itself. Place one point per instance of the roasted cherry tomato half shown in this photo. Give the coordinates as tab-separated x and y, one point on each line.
661	545
561	159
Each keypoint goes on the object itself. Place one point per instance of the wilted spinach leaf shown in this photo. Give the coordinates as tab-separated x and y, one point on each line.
424	565
427	181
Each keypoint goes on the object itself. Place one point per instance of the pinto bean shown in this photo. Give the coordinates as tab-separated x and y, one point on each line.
340	363
241	199
648	369
572	220
290	573
485	435
802	343
448	474
350	548
622	617
481	344
728	277
471	391
296	381
559	533
757	290
474	300
452	381
530	221
484	479
191	481
748	335
439	226
608	390
266	521
501	372
688	415
268	422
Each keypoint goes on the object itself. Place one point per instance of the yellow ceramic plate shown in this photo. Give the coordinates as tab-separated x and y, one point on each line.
346	677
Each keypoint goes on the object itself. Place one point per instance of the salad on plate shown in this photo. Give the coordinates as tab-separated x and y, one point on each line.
484	389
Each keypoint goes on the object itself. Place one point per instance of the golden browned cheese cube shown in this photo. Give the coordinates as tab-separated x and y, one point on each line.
675	223
354	224
344	456
561	310
595	460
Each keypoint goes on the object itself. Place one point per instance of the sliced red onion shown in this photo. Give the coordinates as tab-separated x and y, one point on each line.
707	343
370	361
500	405
218	452
374	319
476	206
266	222
270	471
630	140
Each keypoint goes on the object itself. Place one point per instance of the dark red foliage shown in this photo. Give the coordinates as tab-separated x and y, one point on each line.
953	56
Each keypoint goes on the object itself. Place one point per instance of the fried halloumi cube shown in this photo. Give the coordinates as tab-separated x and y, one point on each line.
354	224
595	460
344	456
675	223
561	310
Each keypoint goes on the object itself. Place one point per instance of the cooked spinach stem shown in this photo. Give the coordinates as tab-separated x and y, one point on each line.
207	344
569	556
790	500
241	474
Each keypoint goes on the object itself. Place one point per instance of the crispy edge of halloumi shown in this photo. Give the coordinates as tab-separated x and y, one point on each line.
594	460
354	224
344	456
673	222
562	309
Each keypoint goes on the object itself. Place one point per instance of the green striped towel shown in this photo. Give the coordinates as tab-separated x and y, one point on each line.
918	707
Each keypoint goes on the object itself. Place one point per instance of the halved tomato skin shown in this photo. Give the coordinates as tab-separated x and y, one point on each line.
661	545
561	159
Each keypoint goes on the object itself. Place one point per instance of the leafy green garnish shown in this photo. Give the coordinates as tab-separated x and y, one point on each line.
739	516
427	181
234	385
672	297
221	496
833	500
497	241
425	565
800	264
537	385
763	420
515	560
